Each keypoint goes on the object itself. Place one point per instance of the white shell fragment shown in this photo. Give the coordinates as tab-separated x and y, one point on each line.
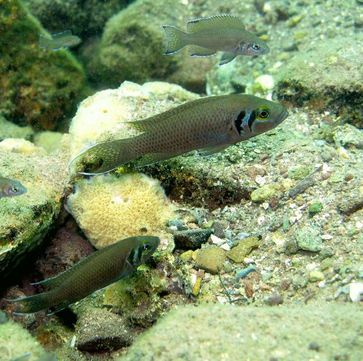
356	291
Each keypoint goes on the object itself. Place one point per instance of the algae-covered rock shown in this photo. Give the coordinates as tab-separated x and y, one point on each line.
265	192
26	219
132	47
328	76
223	332
17	343
243	249
82	17
210	258
101	330
11	130
37	87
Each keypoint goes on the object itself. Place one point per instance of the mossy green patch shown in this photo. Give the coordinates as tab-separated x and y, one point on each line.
37	87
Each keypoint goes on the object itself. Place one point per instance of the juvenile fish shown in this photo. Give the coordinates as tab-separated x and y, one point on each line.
58	41
11	188
210	124
92	273
206	36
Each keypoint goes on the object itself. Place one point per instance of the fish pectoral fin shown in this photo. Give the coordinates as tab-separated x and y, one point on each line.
212	150
196	50
213	22
226	58
31	304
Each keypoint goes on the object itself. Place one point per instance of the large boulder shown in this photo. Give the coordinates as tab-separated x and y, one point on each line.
26	219
37	87
225	332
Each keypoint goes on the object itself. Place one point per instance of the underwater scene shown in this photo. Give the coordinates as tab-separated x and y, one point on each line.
181	180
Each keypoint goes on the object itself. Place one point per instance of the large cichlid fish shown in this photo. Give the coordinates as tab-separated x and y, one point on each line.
206	36
209	124
92	273
11	188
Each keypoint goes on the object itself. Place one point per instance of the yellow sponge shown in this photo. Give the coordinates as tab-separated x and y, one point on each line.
109	208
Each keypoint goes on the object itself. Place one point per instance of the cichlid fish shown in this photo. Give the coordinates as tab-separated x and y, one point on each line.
58	41
11	188
206	36
210	124
92	273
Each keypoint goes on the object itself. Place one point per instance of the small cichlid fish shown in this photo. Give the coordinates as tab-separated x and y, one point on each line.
206	36
210	124
11	188
92	273
58	41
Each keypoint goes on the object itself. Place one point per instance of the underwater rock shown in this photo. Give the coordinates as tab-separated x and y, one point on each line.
348	136
84	18
109	208
26	219
191	238
47	85
50	141
210	258
280	338
265	192
140	55
11	130
101	330
328	76
16	342
308	239
243	249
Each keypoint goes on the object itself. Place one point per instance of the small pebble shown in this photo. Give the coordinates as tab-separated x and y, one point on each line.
274	300
356	291
316	276
244	272
3	317
314	346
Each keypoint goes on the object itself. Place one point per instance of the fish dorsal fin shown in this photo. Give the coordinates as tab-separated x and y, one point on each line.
213	22
62	34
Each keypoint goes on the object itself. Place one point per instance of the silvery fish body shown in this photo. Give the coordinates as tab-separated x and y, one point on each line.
206	36
58	41
11	188
94	272
209	124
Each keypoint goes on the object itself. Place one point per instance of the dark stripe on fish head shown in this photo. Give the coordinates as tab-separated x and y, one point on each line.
239	120
146	247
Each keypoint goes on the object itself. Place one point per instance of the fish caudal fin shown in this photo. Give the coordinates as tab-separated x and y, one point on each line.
32	304
104	157
175	39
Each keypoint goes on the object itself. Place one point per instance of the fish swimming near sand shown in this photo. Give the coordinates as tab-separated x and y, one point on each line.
209	124
206	36
59	41
11	188
92	273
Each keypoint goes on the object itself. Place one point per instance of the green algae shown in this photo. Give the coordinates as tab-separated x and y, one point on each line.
243	249
37	87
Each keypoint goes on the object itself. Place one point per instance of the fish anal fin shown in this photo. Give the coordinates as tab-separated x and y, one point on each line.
213	22
226	58
212	150
195	50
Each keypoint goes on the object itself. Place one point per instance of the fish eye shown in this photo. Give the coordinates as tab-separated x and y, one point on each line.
256	46
264	114
146	247
14	189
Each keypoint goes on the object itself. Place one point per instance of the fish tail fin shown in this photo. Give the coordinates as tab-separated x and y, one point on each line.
31	304
104	157
175	39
